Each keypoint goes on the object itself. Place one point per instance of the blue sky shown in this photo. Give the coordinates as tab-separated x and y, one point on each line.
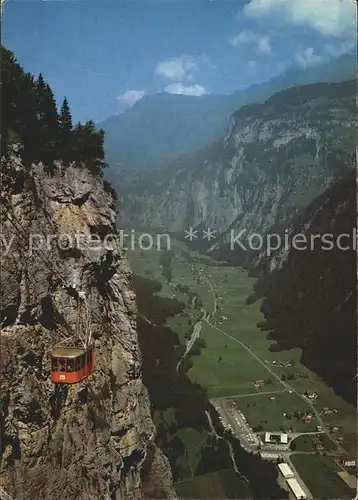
104	55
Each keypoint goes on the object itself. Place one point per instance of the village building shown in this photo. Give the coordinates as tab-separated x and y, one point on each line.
296	489
285	470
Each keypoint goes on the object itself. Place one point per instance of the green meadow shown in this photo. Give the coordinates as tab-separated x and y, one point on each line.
320	476
226	369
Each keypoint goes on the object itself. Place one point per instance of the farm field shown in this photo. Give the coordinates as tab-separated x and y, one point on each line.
234	355
194	442
218	485
224	368
320	475
186	446
304	443
267	414
241	323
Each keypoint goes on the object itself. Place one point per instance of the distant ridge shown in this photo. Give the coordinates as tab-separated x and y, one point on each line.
161	127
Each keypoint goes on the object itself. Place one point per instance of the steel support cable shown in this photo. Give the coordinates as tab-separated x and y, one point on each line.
19	228
88	320
48	263
45	259
88	336
89	261
78	326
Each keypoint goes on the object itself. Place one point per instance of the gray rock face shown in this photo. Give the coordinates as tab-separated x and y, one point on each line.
92	440
275	158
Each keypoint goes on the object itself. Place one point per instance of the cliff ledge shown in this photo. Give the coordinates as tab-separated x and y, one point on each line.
92	440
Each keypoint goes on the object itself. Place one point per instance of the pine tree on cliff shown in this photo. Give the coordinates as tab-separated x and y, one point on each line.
30	118
18	106
11	90
89	146
65	132
29	129
48	124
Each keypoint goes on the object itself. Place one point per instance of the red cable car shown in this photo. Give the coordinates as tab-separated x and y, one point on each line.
71	365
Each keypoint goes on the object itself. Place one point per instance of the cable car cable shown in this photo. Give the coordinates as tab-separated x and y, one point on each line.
51	267
18	227
47	262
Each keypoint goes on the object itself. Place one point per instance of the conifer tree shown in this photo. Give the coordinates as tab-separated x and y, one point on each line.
47	120
89	146
65	117
65	132
18	106
30	119
29	129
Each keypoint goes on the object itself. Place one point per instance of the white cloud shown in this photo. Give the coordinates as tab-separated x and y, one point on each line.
176	68
251	67
308	58
341	48
241	38
181	71
129	98
182	68
282	66
335	18
261	43
180	88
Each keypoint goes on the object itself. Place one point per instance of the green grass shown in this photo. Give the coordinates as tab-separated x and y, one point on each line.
216	485
167	417
192	438
238	368
183	275
320	476
234	374
260	411
242	324
304	443
193	441
180	325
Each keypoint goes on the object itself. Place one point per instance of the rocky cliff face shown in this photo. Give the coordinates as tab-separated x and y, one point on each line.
92	440
275	158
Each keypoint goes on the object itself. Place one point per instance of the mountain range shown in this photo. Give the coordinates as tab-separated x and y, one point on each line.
161	127
274	159
285	165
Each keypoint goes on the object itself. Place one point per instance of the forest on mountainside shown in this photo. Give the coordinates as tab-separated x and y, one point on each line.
30	119
311	301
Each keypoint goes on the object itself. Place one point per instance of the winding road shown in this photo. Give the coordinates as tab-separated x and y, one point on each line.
286	385
263	393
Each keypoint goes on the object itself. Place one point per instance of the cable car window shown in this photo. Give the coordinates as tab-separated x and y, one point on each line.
70	365
54	367
62	364
77	364
89	355
83	361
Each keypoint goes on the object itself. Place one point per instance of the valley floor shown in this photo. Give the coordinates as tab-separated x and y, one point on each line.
253	389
